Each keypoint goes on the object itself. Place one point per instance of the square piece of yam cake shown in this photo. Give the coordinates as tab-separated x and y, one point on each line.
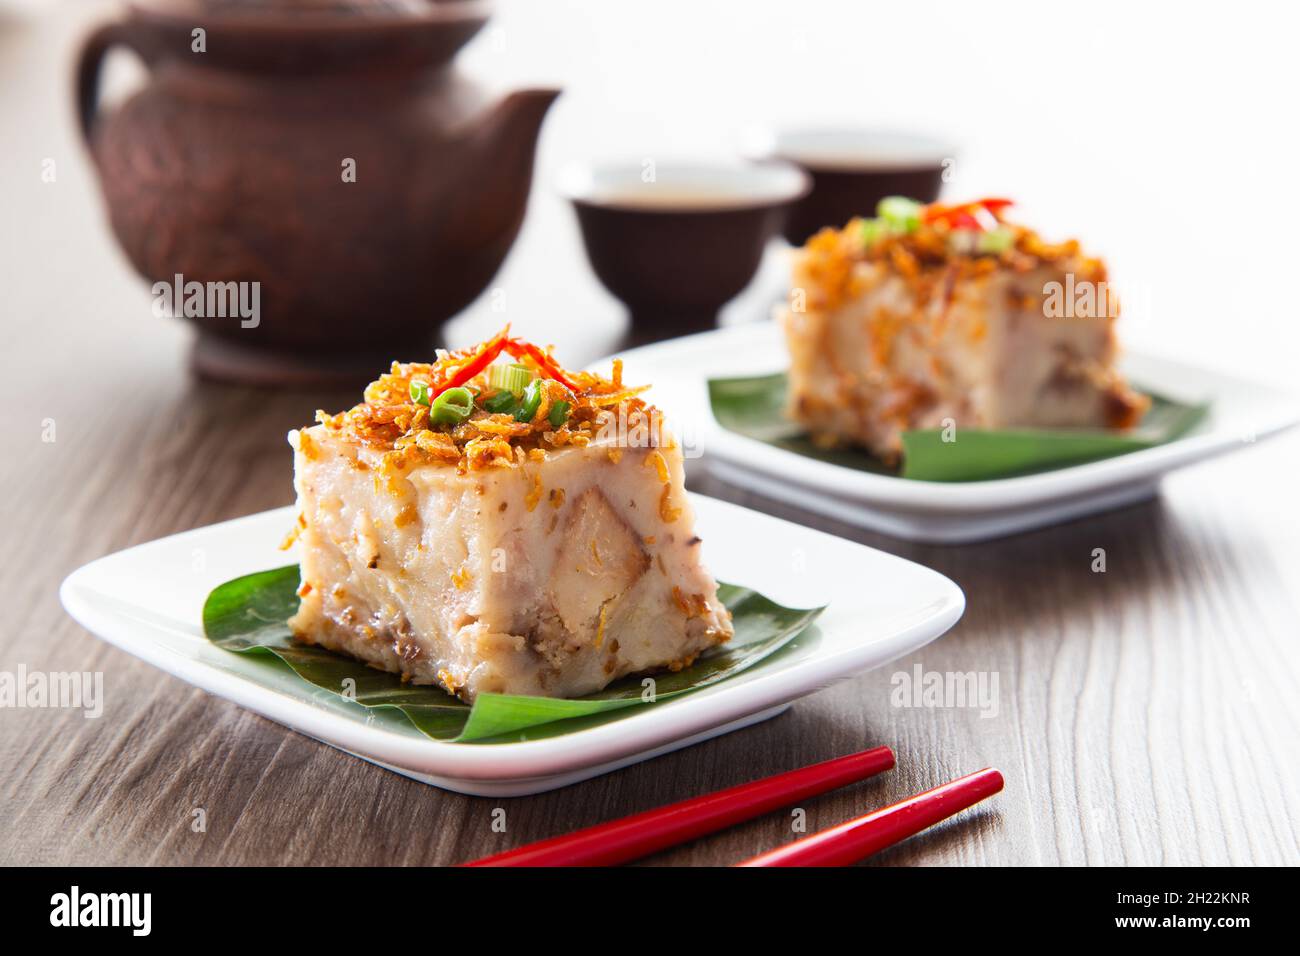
931	315
505	527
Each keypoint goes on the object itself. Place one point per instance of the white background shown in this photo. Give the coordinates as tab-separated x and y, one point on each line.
1163	135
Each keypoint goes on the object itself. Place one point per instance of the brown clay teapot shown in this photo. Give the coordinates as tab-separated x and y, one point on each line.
323	149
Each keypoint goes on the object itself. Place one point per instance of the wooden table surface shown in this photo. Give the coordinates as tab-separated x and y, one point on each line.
1148	715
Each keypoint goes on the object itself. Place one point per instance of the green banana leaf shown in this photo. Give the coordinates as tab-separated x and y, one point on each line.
755	407
250	614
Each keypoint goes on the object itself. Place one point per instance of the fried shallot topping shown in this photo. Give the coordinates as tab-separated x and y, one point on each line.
464	410
931	247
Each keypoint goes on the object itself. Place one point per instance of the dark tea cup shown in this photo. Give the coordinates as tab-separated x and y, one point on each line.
851	171
676	241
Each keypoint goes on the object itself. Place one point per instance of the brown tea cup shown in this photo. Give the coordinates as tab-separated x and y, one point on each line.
851	170
676	241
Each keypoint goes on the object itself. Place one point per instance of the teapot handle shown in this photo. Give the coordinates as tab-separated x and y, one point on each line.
93	50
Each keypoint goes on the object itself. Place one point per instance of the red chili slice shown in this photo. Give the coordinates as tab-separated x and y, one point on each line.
963	220
501	342
519	349
490	350
962	216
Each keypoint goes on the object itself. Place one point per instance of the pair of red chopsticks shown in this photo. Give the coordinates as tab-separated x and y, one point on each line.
641	834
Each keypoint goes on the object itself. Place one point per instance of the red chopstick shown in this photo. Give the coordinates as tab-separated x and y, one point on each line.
856	839
636	836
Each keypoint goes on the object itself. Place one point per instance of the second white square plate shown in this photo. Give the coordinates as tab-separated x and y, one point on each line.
1241	412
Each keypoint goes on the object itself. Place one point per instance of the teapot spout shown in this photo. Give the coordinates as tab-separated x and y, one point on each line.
506	140
518	116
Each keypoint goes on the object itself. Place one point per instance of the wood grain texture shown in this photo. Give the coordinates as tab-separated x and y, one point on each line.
1148	715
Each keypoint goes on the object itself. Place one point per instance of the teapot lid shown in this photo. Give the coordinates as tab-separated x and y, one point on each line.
313	36
280	9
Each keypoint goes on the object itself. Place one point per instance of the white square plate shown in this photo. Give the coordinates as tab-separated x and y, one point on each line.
148	600
1241	412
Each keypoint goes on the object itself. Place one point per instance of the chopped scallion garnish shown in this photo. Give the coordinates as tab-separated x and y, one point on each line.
872	230
558	414
899	213
996	240
513	378
532	401
452	407
503	402
419	392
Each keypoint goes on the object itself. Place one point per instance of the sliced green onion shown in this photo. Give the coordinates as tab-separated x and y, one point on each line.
451	407
872	231
512	378
899	213
419	392
996	240
532	401
502	402
559	413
